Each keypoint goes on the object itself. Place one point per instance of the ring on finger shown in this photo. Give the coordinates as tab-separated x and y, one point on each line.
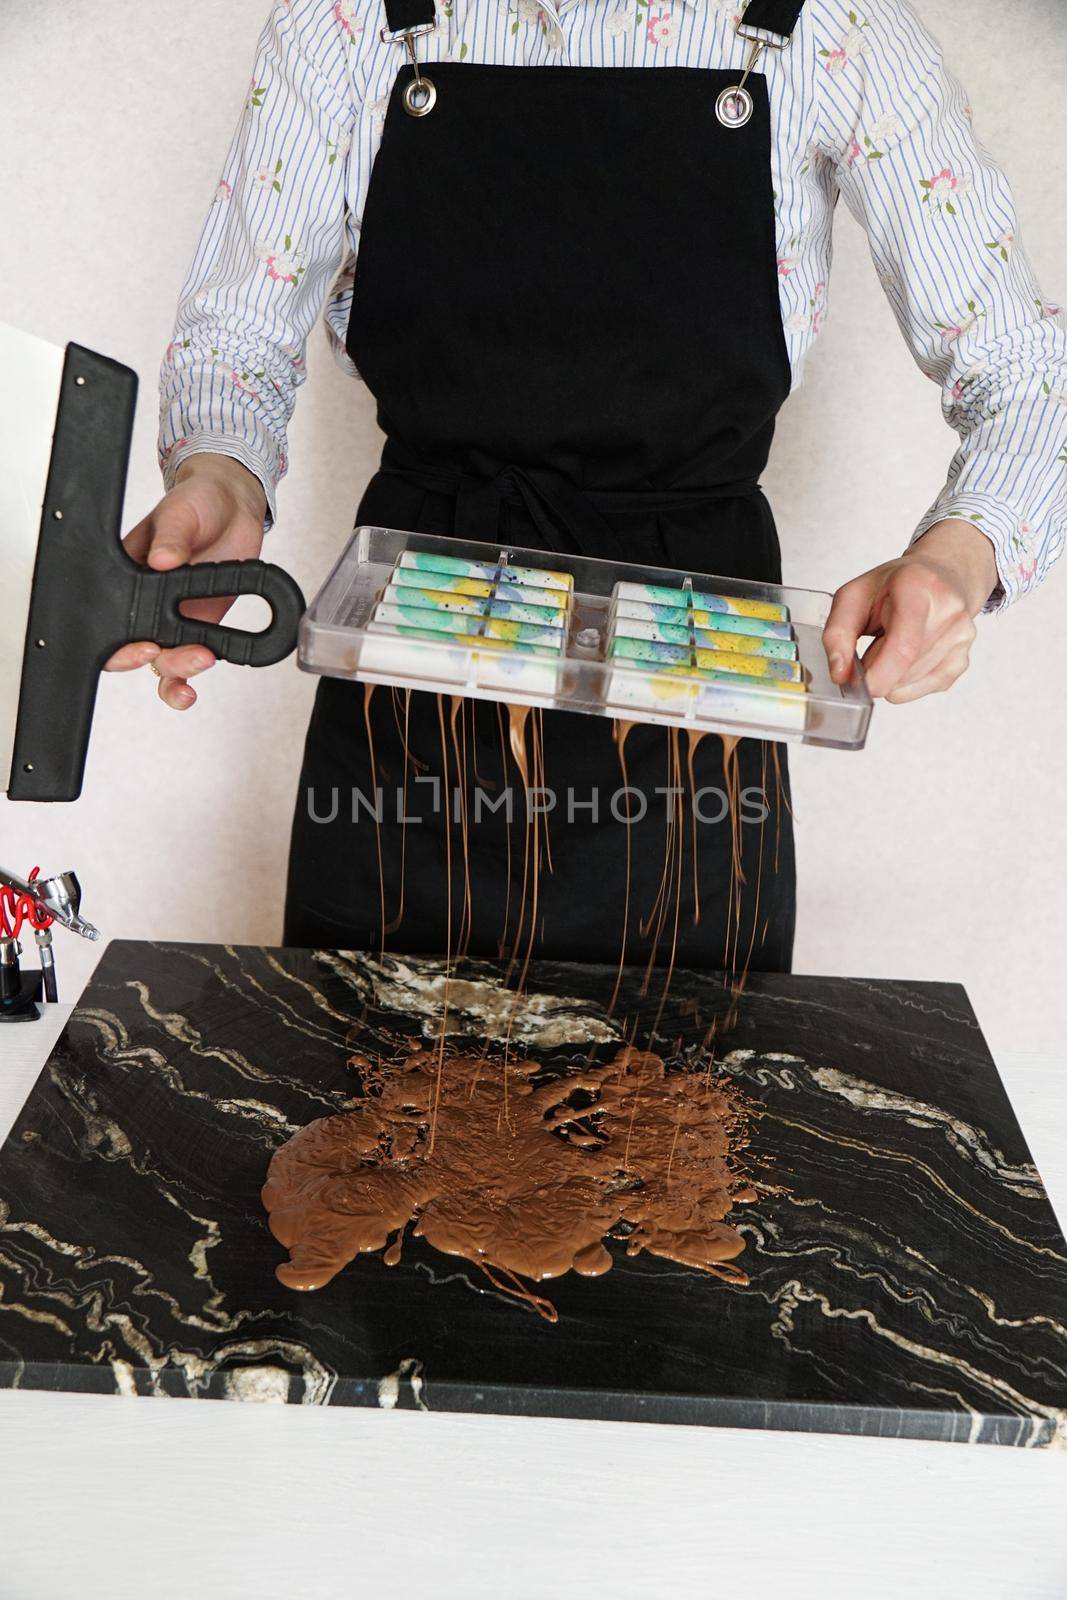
155	669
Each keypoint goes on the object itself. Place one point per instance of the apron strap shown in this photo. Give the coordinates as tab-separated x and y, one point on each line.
568	518
772	16
403	14
565	518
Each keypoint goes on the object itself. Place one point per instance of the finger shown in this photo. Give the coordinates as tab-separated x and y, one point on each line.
959	636
184	661
175	531
131	656
849	615
905	613
180	661
177	694
138	539
943	676
943	639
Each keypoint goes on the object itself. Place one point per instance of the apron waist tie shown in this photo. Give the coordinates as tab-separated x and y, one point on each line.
567	517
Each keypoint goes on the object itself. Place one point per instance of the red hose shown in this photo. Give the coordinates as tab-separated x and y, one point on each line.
18	911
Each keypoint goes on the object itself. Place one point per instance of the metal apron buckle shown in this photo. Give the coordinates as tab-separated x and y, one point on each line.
735	105
420	95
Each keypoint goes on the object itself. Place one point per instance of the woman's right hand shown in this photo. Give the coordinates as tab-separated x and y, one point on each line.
214	512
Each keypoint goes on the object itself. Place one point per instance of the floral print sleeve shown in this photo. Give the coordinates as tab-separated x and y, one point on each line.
273	232
895	132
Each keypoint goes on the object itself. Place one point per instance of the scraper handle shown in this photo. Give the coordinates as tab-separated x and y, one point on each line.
159	594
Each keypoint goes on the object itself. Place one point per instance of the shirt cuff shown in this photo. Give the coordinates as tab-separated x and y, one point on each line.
1016	567
268	470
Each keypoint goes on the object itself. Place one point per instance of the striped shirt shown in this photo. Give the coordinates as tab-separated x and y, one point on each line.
862	105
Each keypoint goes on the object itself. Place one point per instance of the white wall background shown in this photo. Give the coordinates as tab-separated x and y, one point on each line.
937	853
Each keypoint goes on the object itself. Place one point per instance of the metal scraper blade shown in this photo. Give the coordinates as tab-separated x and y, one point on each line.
31	370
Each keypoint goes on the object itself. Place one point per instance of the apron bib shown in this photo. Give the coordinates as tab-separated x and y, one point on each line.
566	306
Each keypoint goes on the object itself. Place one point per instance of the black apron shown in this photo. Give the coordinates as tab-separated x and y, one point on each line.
566	306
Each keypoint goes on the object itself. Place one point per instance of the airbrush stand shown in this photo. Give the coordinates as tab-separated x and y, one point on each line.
37	903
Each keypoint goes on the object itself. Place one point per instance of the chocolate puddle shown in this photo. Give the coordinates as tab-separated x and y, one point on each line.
624	1149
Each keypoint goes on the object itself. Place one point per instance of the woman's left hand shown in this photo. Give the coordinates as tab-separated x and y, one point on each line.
920	609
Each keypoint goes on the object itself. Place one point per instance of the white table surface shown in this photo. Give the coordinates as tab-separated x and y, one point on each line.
174	1500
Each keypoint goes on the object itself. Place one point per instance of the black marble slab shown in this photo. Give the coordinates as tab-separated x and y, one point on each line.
908	1276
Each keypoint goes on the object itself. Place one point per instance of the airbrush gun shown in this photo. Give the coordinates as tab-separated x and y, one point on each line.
36	903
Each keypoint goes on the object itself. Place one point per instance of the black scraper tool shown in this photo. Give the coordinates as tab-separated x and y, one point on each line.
69	594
